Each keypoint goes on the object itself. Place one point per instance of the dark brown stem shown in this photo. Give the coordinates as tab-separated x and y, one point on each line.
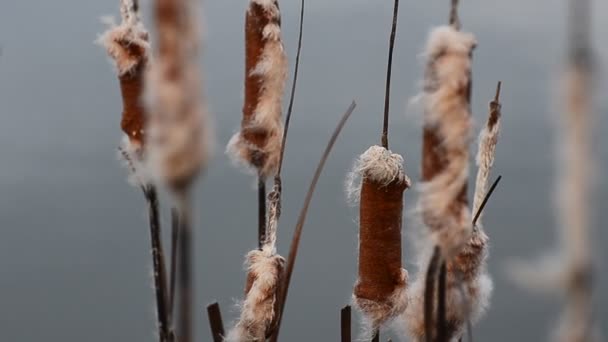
215	322
442	333
454	19
173	270
376	337
261	211
345	324
293	249
184	271
429	294
486	199
158	263
293	90
387	94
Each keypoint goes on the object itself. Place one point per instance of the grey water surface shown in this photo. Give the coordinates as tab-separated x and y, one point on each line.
74	246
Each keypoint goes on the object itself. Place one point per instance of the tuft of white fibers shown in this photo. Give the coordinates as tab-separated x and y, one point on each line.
258	309
270	71
178	147
132	156
377	164
464	300
376	313
447	114
127	43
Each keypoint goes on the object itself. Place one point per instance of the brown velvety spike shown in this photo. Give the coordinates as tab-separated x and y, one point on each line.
133	114
380	272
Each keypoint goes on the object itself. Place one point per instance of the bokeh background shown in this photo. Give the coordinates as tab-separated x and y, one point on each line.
74	245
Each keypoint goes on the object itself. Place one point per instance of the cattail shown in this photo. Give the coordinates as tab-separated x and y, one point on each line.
573	182
258	144
443	201
259	309
176	128
127	44
447	124
380	289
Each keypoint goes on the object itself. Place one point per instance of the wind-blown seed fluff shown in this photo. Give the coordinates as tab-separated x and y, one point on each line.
443	200
447	122
380	291
258	310
258	143
176	126
127	44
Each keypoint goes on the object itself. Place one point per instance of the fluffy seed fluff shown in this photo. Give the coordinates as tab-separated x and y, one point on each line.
448	117
377	313
377	164
258	309
127	43
269	74
177	134
463	301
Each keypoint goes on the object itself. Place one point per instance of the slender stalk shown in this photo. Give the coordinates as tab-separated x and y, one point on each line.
429	293
158	263
261	211
184	272
486	199
345	324
173	269
454	19
376	337
293	249
215	322
293	91
442	333
387	96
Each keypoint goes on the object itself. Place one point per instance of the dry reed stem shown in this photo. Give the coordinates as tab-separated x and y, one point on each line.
178	149
293	248
258	144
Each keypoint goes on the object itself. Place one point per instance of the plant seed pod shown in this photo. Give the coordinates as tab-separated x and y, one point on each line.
380	289
258	143
447	123
176	131
128	46
258	310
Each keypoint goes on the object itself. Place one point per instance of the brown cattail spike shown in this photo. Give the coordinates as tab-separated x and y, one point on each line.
258	144
380	290
128	46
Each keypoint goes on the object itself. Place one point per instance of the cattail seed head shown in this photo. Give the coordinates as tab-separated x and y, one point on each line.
258	143
127	44
178	149
259	309
447	124
380	289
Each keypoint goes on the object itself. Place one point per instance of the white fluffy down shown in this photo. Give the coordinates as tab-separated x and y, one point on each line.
257	310
113	40
377	164
447	112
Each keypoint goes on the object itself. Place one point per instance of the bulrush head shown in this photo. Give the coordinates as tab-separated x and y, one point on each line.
380	292
176	130
258	143
128	46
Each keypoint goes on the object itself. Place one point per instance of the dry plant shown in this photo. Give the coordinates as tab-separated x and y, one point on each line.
258	144
128	45
176	131
378	181
258	316
570	270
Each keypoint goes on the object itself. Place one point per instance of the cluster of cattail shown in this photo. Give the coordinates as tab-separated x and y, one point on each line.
164	135
258	145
